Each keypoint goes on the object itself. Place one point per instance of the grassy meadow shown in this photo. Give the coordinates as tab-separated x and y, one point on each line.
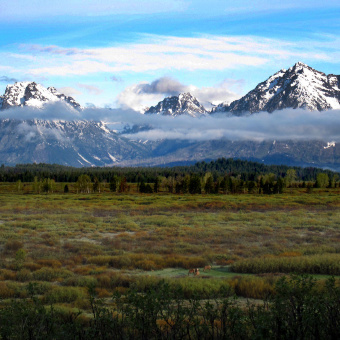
65	243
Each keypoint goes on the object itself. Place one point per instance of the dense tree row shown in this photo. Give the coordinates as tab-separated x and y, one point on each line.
245	170
192	183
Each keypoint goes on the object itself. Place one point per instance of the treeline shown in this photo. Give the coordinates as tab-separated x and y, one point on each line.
300	308
244	170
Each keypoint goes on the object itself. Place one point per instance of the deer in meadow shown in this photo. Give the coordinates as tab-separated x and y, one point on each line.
193	271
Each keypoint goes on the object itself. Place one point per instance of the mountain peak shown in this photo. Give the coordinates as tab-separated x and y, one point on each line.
300	64
300	86
33	94
184	103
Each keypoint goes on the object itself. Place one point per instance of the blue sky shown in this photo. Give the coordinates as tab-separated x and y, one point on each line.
104	52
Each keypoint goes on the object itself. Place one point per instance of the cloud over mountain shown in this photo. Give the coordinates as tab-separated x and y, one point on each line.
285	124
6	80
138	96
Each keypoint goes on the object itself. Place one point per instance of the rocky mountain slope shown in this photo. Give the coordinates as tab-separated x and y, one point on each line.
313	153
184	103
298	87
33	94
75	143
90	143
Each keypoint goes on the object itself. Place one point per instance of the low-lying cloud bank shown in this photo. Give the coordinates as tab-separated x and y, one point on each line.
281	125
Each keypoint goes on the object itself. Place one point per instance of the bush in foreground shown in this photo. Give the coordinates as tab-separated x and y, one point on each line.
298	309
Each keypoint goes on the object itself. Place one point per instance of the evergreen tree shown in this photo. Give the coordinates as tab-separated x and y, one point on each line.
209	185
278	187
195	184
185	184
123	186
96	185
251	187
142	186
113	183
156	185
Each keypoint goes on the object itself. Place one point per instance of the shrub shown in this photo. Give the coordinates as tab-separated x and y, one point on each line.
113	280
24	275
32	266
49	263
12	246
252	287
99	260
64	295
80	281
328	264
50	274
5	291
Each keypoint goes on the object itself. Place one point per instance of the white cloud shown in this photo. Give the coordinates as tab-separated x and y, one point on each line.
139	96
281	125
91	89
287	124
168	53
69	91
213	95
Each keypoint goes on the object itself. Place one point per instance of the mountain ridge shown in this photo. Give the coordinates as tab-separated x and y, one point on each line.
89	143
34	95
184	103
300	86
77	143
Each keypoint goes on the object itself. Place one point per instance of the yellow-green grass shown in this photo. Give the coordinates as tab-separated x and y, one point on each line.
69	239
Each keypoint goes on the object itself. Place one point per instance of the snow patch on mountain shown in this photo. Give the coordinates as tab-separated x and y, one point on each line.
184	103
84	159
329	145
114	159
33	95
298	87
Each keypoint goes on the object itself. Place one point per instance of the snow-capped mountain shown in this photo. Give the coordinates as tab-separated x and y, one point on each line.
33	94
89	143
298	87
75	143
184	103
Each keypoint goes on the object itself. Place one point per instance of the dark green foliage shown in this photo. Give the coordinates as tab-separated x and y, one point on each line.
66	189
156	185
248	171
145	188
209	185
113	184
299	309
195	184
96	185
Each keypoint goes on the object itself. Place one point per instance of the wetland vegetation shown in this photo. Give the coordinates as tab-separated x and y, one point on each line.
93	260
